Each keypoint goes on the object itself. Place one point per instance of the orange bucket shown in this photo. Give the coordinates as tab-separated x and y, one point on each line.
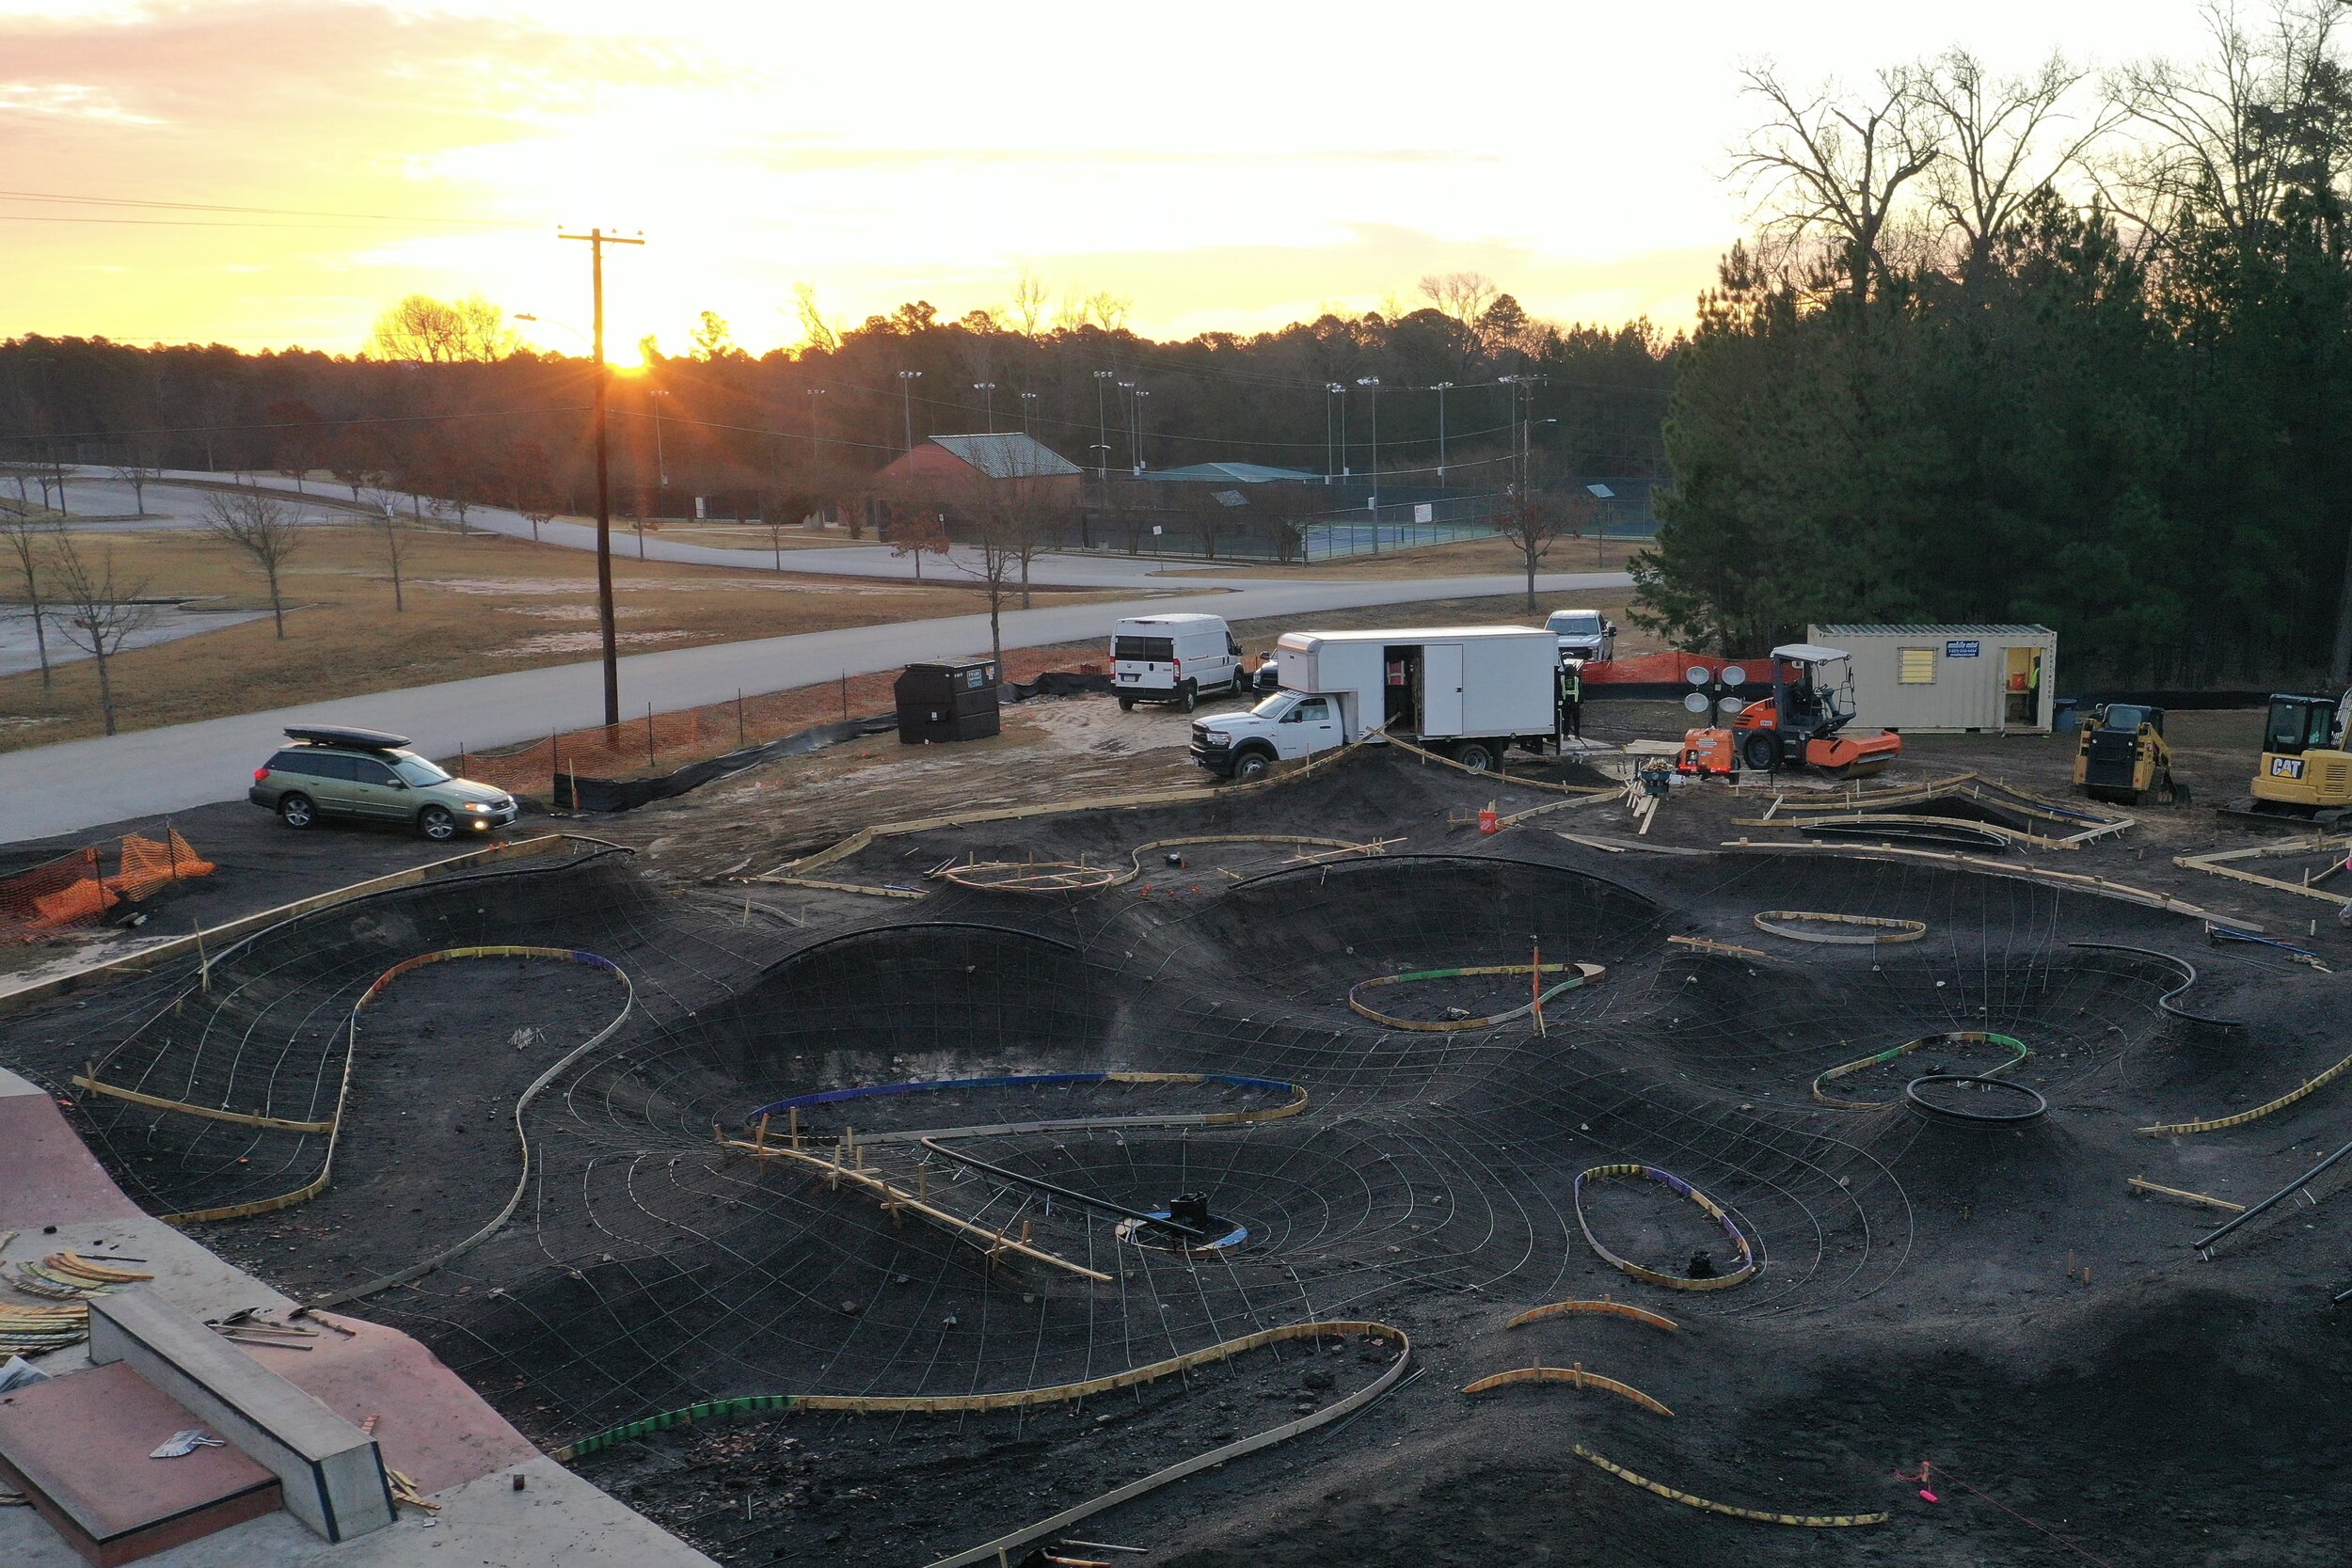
1489	822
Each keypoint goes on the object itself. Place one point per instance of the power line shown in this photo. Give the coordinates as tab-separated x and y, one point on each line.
221	207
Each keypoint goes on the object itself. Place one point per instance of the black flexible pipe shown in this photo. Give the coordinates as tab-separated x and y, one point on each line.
2201	1243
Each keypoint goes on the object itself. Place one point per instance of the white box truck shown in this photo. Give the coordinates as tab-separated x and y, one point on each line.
1469	693
1174	658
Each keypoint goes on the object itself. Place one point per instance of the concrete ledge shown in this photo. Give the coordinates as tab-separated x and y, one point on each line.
332	1473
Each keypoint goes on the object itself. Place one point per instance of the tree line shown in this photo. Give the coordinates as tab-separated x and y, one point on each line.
448	401
2047	347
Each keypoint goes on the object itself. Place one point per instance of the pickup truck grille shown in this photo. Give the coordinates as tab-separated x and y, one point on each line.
1207	739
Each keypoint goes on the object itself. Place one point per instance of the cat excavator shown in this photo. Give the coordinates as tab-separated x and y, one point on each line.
2305	774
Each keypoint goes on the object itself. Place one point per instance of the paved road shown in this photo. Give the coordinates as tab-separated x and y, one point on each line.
83	783
1077	569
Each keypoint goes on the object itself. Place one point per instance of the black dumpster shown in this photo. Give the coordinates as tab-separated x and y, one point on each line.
955	701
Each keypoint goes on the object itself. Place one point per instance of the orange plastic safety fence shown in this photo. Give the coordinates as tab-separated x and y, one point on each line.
74	889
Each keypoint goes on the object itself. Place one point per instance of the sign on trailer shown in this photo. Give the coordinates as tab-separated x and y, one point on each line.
1960	650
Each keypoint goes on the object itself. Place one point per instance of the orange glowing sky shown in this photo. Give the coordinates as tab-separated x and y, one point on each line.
1222	165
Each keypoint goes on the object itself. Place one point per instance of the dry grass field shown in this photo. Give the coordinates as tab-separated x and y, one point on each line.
476	605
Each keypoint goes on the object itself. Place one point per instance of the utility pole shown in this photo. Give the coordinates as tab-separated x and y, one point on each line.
597	239
1442	387
906	400
988	390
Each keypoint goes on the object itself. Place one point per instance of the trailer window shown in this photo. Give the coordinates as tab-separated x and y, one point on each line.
1918	667
1147	650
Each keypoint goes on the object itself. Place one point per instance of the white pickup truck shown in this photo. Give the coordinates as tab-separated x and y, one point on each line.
1469	693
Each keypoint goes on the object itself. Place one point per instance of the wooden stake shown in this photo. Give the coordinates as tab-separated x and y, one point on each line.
759	1138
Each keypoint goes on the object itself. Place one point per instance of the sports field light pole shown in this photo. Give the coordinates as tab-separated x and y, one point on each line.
814	393
1127	413
1441	388
660	462
1028	402
906	400
597	239
1340	392
1141	393
1373	382
1102	426
988	391
1329	387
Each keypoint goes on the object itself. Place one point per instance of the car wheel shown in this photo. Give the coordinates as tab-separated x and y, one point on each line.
296	811
1189	696
1476	756
1249	770
436	824
1126	704
1760	753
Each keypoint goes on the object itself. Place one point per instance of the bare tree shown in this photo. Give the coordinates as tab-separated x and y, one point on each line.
1028	307
1463	298
2230	140
138	468
917	530
2002	142
20	472
21	536
395	535
441	332
1830	169
102	613
267	530
814	332
1533	522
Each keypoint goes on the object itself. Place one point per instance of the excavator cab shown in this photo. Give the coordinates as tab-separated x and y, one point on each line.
2305	772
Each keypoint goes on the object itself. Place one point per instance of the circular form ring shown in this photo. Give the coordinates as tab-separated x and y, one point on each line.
2029	1102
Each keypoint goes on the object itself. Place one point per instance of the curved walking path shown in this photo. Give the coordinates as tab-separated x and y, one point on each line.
84	783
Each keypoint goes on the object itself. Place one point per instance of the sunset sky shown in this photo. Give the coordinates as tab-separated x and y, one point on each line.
1223	165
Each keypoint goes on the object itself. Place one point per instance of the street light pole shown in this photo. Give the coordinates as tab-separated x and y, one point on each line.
597	239
1442	387
988	391
1374	383
906	400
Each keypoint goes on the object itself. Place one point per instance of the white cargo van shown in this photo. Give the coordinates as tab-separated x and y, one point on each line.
1174	658
1469	693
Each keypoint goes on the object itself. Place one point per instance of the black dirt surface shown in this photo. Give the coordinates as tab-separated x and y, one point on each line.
1992	1302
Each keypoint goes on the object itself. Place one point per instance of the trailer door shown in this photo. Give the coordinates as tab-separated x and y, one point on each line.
1441	688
